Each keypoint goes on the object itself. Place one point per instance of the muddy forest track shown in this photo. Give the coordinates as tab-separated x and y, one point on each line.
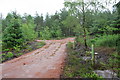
46	62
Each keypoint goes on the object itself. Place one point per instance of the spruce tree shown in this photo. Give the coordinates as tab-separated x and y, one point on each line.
12	36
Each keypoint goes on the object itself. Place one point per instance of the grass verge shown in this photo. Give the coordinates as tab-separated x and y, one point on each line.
8	54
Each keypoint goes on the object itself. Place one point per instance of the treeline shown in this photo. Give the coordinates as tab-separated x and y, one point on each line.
17	30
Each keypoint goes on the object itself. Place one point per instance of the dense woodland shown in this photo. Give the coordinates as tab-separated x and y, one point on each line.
90	22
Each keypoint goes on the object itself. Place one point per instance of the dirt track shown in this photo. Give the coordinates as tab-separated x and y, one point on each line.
46	62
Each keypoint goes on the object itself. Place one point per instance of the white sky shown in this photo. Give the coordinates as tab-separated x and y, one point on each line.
30	6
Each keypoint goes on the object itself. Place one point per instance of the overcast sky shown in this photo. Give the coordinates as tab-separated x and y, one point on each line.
30	6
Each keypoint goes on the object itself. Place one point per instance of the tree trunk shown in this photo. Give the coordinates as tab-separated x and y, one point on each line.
85	41
83	24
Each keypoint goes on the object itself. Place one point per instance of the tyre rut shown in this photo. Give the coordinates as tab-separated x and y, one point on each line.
46	62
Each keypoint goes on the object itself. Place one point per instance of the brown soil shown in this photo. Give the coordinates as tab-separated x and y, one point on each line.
46	62
105	50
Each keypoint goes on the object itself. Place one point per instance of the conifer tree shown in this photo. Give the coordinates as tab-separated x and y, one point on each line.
13	34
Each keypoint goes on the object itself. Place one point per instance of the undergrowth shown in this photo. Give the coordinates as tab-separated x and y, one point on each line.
112	41
17	51
76	67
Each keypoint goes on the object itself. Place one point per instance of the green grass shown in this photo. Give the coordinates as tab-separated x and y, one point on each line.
112	41
107	40
40	44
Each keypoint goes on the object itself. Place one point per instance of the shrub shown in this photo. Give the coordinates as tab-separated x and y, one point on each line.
19	54
70	45
46	33
92	75
40	44
112	41
2	59
28	30
17	48
9	55
107	40
6	49
79	40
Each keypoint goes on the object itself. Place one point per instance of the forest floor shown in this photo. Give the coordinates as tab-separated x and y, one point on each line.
46	62
79	65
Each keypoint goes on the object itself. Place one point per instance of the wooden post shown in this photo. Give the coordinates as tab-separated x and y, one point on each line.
93	56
